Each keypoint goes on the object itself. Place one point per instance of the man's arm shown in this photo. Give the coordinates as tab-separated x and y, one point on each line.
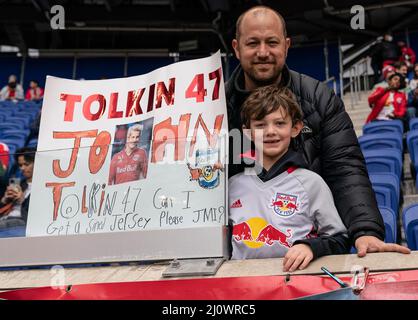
344	170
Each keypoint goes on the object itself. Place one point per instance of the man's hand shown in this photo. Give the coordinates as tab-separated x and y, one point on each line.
298	256
369	244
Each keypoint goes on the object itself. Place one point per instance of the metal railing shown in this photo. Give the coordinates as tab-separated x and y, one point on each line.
355	80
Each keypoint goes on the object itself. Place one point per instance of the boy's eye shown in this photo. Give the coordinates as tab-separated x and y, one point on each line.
259	125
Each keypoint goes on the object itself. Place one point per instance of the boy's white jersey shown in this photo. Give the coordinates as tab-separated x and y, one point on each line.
268	217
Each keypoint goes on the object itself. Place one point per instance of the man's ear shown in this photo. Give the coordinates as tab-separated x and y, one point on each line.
235	45
297	128
288	43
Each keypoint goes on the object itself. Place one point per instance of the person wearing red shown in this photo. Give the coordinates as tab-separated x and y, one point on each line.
407	55
388	103
131	163
34	92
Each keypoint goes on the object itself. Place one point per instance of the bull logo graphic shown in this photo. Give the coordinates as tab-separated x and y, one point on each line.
284	205
207	169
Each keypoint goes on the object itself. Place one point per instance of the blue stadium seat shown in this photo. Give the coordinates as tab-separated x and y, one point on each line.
390	181
383	197
24	121
383	165
9	126
14	134
410	224
412	144
386	153
383	126
413	124
13	232
32	143
389	218
381	140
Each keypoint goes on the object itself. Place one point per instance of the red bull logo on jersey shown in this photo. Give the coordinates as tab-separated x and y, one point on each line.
257	232
284	205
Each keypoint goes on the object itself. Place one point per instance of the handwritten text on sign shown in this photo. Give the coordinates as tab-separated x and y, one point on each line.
138	153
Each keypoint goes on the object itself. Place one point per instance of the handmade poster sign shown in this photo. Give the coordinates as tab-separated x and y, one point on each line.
139	153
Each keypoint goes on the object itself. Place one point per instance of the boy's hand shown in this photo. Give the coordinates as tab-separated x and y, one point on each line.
298	256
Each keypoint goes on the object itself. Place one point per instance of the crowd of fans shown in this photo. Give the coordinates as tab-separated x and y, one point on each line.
13	91
395	93
16	160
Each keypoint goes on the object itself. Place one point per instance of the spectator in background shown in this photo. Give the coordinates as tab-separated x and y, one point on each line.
407	55
4	166
413	84
388	103
12	91
401	68
34	93
412	103
383	53
14	204
386	72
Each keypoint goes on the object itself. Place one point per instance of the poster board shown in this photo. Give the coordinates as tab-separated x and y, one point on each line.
143	154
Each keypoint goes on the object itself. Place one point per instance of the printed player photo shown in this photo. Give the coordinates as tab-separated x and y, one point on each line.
130	152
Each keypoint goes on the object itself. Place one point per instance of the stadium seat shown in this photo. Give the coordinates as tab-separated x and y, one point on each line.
389	218
14	134
381	140
383	165
383	197
390	181
19	119
13	232
412	144
413	124
9	126
383	126
386	153
410	224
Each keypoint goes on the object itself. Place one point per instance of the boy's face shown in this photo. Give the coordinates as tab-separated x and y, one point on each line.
273	133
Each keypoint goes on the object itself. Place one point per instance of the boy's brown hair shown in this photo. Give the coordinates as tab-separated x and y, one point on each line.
266	100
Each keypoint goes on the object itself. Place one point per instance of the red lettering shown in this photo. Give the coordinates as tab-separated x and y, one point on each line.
70	100
78	135
56	194
87	107
216	75
200	92
166	133
134	98
211	138
113	106
162	92
151	97
101	143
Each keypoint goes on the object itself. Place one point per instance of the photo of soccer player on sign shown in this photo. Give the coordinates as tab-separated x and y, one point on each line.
130	156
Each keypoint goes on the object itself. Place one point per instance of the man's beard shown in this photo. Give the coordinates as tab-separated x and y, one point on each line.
268	81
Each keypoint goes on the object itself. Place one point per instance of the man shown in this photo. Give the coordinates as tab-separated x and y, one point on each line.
330	145
131	163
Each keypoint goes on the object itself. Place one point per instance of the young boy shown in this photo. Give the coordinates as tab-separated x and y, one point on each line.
285	211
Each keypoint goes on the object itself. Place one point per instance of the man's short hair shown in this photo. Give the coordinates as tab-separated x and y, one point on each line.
256	8
268	99
135	127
